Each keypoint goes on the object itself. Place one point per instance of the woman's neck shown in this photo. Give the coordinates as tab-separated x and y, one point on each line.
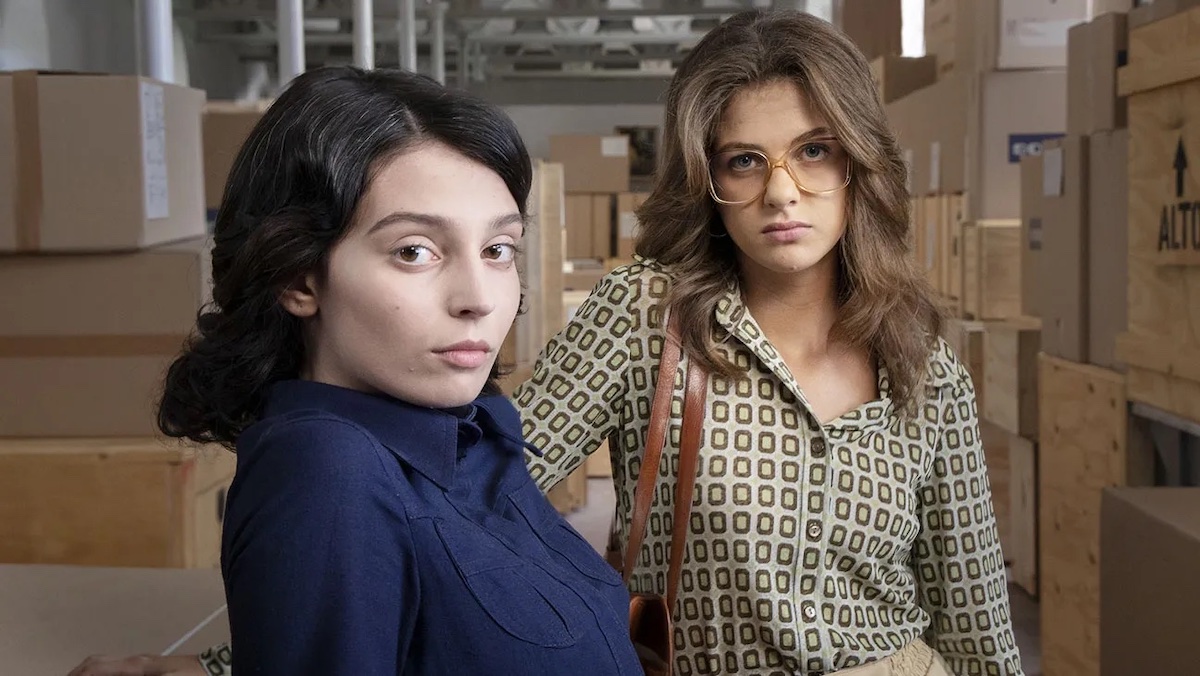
797	310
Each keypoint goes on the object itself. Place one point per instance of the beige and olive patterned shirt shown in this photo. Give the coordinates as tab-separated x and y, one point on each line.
812	547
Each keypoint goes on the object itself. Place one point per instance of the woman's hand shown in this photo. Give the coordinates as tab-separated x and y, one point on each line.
140	665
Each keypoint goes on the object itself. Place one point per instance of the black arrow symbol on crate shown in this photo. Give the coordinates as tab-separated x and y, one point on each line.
1180	167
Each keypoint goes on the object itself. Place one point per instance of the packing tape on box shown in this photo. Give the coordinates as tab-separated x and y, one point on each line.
91	346
28	143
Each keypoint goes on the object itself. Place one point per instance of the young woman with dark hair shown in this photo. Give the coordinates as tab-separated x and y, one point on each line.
382	520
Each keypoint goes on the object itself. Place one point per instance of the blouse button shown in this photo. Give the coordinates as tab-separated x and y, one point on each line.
814	531
810	611
818	447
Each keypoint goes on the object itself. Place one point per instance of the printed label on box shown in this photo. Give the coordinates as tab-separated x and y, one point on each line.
1035	234
1020	145
614	146
154	151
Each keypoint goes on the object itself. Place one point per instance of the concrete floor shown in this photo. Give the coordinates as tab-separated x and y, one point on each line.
593	520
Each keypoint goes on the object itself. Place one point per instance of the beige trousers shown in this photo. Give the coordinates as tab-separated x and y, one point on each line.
915	659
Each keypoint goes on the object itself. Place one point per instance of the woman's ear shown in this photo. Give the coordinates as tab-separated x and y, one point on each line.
300	297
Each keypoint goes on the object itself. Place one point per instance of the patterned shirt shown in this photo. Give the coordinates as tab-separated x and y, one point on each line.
812	547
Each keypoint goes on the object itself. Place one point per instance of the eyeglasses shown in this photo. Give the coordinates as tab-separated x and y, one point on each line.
741	175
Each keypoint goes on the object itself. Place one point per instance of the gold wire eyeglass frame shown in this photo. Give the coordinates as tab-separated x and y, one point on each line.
772	165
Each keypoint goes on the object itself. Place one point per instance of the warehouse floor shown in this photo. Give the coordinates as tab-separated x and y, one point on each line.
593	519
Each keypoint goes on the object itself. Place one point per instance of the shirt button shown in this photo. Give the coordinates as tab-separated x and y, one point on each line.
818	448
814	531
810	612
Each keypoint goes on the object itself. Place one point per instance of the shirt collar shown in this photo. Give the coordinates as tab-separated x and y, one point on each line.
426	439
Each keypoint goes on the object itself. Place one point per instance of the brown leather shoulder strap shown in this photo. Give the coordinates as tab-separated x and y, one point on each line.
695	395
660	414
689	459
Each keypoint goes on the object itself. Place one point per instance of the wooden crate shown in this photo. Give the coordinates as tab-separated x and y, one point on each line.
965	337
916	231
931	238
541	264
953	214
1085	445
1162	344
1010	351
1022	513
991	264
570	494
995	453
599	463
112	502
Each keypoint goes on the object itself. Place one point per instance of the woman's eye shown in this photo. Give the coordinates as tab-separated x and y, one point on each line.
814	152
743	162
413	255
503	253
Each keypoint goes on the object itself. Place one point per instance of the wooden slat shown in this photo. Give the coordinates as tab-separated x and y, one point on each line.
1023	515
1084	447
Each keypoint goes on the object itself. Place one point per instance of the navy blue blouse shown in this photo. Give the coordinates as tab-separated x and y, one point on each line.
367	536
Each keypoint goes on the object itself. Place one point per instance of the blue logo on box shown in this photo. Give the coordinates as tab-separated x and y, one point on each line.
1020	145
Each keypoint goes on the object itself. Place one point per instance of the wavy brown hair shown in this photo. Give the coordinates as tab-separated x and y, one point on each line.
886	305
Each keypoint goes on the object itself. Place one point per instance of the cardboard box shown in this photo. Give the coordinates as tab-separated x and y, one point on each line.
1033	214
589	226
1010	114
931	128
898	76
627	223
1108	245
873	25
592	163
227	125
970	36
1149	591
1026	34
949	36
84	346
1064	270
112	502
1096	50
98	163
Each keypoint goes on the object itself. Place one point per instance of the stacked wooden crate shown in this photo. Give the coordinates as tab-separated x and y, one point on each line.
999	104
103	268
1104	233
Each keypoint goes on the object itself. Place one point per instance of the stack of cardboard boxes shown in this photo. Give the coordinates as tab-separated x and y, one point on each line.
103	268
600	203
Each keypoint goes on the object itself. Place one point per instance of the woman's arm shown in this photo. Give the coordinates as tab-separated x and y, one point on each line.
573	400
318	560
958	562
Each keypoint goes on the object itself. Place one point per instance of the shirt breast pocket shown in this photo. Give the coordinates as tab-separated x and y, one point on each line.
554	531
523	600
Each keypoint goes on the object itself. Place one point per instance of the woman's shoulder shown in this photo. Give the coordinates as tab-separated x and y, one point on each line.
311	442
945	369
636	280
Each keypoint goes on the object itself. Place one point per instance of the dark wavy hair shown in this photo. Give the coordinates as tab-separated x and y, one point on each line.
289	198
